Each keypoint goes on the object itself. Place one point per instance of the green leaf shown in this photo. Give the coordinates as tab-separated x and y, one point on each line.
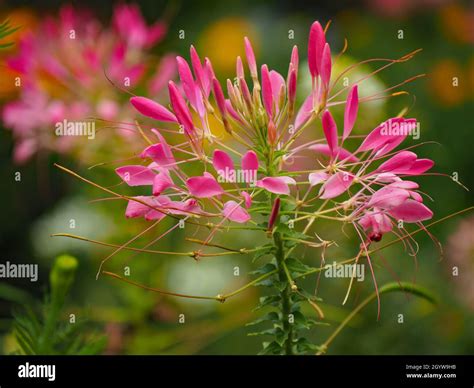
303	295
270	317
301	322
274	332
269	267
14	294
267	249
303	345
271	348
296	267
270	300
265	283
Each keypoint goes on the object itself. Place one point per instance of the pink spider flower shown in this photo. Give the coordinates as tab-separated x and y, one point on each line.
256	118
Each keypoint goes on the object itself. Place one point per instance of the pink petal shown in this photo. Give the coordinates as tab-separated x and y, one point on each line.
204	186
386	177
267	94
250	162
408	185
137	209
136	175
165	71
316	44
419	167
201	110
288	180
247	199
219	96
350	113
330	131
180	108
411	211
245	92
416	196
315	178
292	85
239	68
250	58
336	185
155	215
366	221
230	109
183	208
276	185
376	221
187	80
305	112
342	153
401	161
208	76
294	58
278	86
234	212
160	155
222	162
326	65
388	197
381	140
162	182
382	222
160	203
197	67
152	109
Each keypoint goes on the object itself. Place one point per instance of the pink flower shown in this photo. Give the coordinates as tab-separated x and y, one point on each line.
66	66
234	212
131	26
204	186
367	183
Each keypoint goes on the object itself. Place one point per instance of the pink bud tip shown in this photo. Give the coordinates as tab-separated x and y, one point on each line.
292	85
250	58
180	108
350	113
295	57
239	67
152	109
325	70
316	44
267	93
219	96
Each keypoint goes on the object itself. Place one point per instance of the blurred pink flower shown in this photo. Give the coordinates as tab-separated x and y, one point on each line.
64	67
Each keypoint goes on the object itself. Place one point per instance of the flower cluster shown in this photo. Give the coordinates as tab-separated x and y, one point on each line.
366	187
64	67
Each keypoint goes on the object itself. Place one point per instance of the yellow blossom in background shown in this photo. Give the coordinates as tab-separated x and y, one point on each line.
447	82
458	23
25	19
222	42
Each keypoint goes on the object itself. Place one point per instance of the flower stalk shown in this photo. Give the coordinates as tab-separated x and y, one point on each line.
285	295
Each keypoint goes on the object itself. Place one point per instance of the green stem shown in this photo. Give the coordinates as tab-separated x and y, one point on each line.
285	294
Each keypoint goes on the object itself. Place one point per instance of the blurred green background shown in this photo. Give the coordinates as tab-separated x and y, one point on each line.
140	322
